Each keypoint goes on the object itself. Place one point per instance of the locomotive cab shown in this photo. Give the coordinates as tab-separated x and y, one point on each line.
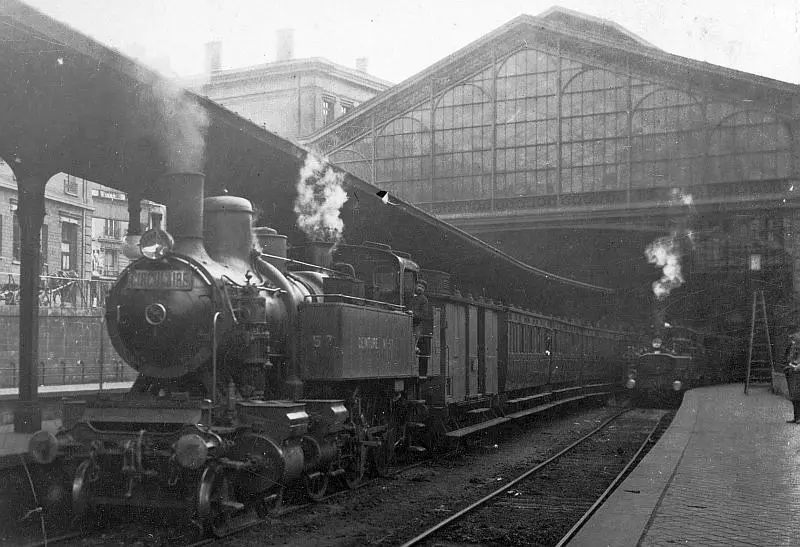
389	276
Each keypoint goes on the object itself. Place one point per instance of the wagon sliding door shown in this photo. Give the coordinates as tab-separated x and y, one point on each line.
489	379
455	351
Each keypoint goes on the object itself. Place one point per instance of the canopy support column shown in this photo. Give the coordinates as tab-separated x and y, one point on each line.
30	212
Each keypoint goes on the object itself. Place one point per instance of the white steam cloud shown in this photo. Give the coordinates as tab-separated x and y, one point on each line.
665	252
320	197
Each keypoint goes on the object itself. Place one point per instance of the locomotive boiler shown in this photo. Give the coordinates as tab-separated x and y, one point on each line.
221	417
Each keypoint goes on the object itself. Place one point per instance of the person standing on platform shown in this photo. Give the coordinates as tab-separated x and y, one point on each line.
792	372
422	323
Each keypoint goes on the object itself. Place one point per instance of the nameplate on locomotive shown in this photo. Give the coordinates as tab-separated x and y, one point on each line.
160	279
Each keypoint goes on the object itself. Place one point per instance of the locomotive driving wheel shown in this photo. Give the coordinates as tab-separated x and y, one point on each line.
354	458
217	509
85	476
383	455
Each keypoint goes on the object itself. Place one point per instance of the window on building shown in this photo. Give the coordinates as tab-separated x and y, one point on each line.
69	246
1	234
43	246
346	107
70	185
110	263
328	105
15	245
113	228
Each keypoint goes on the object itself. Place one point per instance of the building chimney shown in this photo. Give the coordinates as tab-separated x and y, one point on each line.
285	44
213	57
361	64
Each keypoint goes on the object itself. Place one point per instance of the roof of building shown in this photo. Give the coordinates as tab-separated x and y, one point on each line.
584	38
288	67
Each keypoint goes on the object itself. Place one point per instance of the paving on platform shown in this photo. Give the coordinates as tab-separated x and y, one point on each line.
726	472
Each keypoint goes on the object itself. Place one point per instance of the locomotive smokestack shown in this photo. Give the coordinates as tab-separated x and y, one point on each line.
185	209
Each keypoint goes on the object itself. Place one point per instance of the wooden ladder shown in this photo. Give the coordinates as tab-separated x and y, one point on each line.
759	357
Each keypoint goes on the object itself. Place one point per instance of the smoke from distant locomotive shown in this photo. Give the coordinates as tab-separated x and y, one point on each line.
665	252
320	197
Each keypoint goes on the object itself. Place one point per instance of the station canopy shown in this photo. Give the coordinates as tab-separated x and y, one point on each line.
76	106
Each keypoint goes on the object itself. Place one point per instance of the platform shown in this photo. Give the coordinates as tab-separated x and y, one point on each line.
726	472
13	445
7	393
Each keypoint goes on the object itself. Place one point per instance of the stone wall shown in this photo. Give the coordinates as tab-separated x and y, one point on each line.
73	343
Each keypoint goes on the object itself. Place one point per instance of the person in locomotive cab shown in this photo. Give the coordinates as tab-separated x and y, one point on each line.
792	372
422	323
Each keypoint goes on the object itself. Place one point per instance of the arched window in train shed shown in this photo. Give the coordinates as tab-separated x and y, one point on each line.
668	138
594	131
747	146
403	157
527	124
462	163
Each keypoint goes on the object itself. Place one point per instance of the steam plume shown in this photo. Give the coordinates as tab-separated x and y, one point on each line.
665	252
320	197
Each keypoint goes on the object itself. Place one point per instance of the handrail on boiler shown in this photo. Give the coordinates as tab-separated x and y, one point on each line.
213	366
356	300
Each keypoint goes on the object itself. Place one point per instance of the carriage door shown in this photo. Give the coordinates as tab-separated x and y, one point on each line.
490	351
472	351
455	350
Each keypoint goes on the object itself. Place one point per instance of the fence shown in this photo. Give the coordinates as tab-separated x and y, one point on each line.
64	373
65	289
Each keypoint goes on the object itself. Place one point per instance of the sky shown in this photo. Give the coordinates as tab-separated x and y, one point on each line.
402	38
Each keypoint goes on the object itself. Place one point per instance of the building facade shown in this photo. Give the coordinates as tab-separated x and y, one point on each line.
290	97
82	239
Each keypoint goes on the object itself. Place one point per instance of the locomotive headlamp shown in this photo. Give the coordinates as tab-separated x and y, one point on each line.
191	451
630	384
657	343
156	243
43	447
677	385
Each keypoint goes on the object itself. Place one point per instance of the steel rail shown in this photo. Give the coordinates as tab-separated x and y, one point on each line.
611	487
452	518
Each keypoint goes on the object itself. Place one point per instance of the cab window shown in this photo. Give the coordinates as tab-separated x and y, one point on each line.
386	283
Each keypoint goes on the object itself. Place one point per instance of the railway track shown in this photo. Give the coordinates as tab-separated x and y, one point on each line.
100	536
389	511
538	500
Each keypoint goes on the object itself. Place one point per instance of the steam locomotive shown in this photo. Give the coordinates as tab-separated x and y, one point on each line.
258	370
680	359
